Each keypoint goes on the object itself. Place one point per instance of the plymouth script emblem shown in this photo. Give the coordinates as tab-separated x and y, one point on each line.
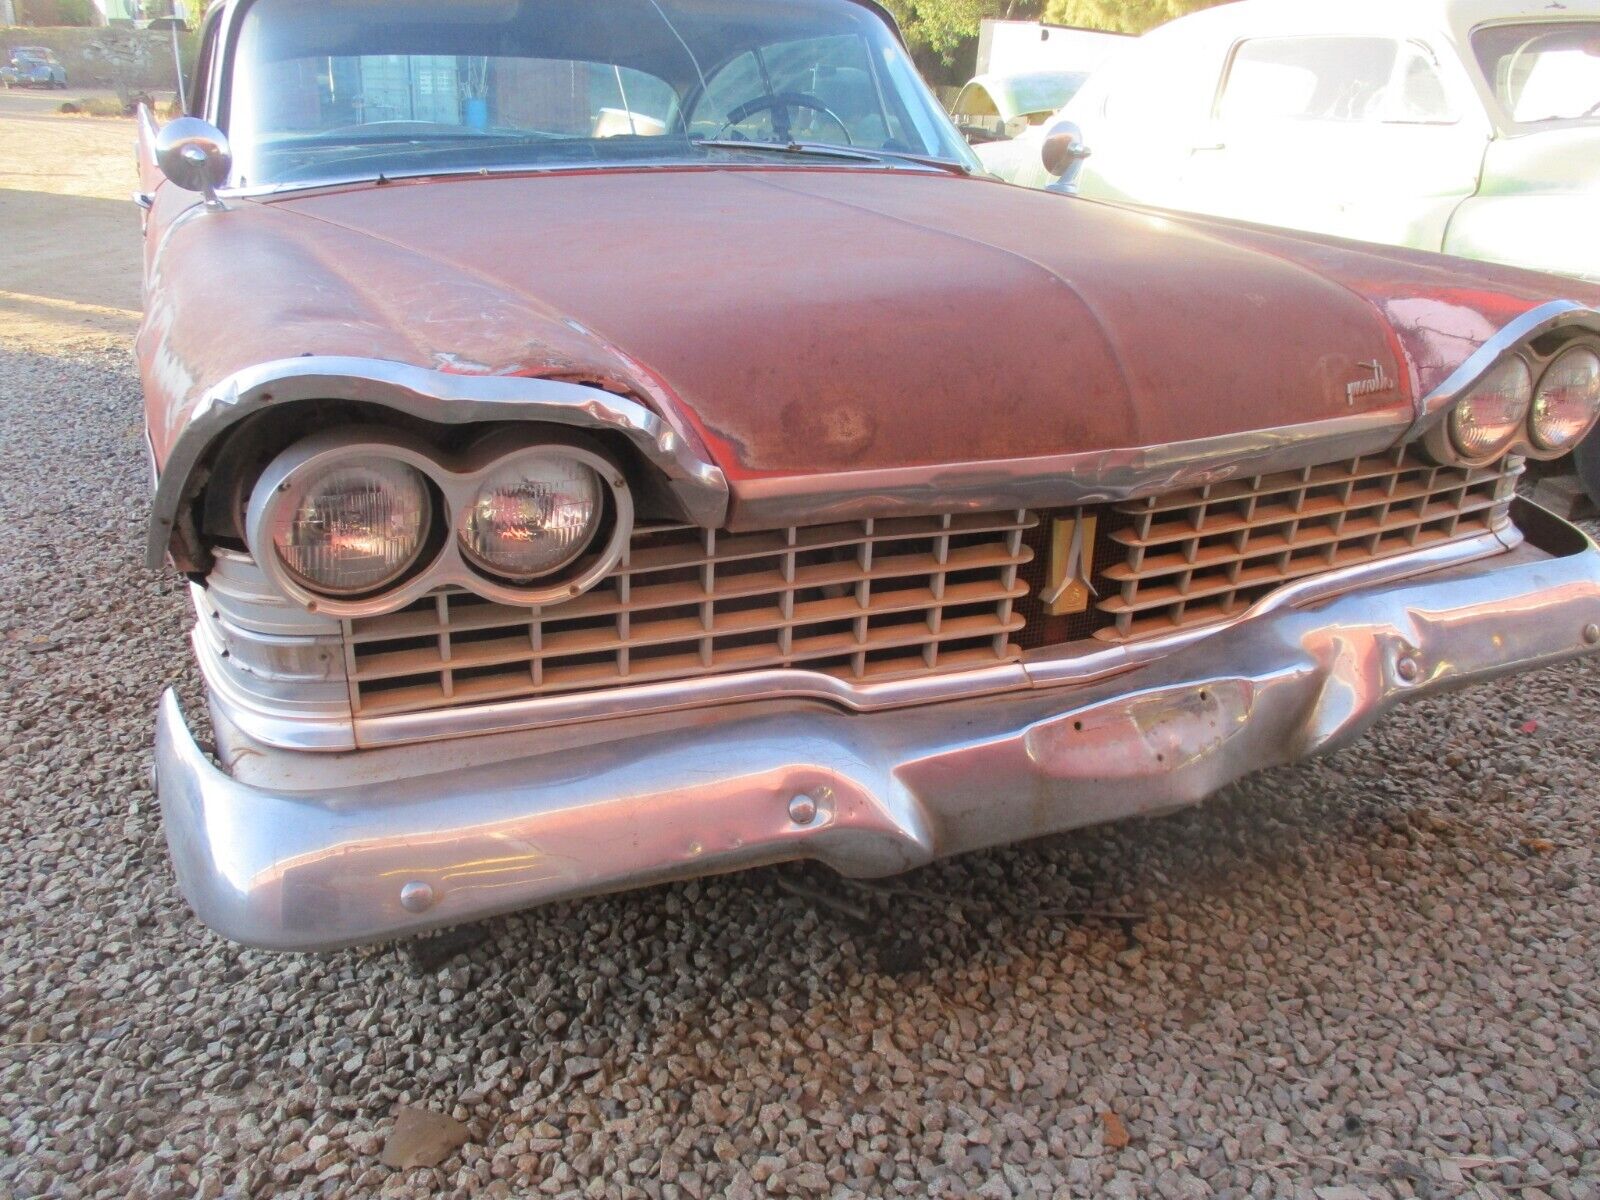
1379	382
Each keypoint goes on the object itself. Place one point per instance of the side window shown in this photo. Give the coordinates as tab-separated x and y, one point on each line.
1365	79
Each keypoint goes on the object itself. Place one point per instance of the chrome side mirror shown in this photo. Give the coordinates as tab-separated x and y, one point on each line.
194	155
1063	153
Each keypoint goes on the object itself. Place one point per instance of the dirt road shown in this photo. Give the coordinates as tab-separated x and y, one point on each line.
69	257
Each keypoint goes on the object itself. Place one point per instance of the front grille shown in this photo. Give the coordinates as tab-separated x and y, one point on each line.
862	600
1206	554
903	596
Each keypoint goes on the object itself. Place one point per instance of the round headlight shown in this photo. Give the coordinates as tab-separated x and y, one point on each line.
357	525
1567	401
1489	418
532	515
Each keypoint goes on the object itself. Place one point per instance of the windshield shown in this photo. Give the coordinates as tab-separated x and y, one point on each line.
331	89
1543	72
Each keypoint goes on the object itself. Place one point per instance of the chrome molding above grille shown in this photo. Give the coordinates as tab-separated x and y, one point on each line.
860	600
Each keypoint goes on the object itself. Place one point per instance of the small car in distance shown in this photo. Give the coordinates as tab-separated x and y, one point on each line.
613	443
33	66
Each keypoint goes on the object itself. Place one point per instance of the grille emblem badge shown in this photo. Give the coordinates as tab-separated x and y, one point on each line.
1067	586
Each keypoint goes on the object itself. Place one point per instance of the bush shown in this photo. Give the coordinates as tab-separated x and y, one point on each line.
95	106
75	12
55	12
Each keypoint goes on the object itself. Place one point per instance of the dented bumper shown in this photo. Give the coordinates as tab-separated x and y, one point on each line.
307	851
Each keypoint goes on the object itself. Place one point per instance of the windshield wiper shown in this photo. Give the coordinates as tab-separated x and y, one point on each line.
827	150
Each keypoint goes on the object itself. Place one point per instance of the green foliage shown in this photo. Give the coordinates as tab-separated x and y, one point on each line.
1123	16
939	29
75	12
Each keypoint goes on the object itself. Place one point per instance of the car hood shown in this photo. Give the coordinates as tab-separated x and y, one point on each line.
796	320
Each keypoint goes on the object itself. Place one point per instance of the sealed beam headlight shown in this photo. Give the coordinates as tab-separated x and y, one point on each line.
353	525
1567	401
532	515
1490	416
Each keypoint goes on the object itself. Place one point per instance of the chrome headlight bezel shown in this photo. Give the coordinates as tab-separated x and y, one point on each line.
454	482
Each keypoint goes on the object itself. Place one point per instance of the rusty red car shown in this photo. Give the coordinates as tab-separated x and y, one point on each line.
612	443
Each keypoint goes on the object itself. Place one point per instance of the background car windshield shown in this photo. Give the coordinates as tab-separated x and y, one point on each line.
1544	72
341	88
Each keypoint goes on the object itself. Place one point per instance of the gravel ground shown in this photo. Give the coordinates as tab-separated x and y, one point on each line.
1371	976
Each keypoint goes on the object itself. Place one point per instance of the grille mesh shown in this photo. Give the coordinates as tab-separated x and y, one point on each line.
1206	554
862	600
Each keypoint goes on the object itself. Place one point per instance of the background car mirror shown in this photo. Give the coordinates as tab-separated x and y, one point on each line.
1063	153
194	155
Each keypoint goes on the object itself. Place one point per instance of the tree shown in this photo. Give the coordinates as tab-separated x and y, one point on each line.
1124	16
939	29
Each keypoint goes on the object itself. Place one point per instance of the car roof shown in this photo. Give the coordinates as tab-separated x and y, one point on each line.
1457	18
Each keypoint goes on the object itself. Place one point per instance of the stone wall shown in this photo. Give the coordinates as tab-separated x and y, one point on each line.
127	59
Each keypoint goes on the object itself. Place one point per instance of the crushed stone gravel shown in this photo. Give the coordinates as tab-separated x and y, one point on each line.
1373	975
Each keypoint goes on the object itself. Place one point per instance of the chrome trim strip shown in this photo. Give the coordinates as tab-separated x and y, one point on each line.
1056	667
269	191
440	397
1535	322
1061	480
399	845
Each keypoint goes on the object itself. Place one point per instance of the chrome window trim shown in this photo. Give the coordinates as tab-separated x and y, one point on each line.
298	188
1060	666
439	397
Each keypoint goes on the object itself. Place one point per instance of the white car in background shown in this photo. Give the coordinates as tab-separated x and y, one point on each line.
1467	126
1470	127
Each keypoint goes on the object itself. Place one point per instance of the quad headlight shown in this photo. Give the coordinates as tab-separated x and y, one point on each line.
1491	415
355	523
1567	401
352	526
533	515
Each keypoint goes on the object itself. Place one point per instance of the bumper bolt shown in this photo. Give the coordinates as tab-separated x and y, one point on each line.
416	896
1407	669
1591	633
802	809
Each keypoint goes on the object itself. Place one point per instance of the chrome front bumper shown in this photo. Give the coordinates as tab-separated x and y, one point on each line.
324	850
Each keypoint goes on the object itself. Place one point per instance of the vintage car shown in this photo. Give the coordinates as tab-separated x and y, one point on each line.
616	443
33	66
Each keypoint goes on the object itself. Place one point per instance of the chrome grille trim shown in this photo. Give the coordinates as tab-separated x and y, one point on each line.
862	600
1202	555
